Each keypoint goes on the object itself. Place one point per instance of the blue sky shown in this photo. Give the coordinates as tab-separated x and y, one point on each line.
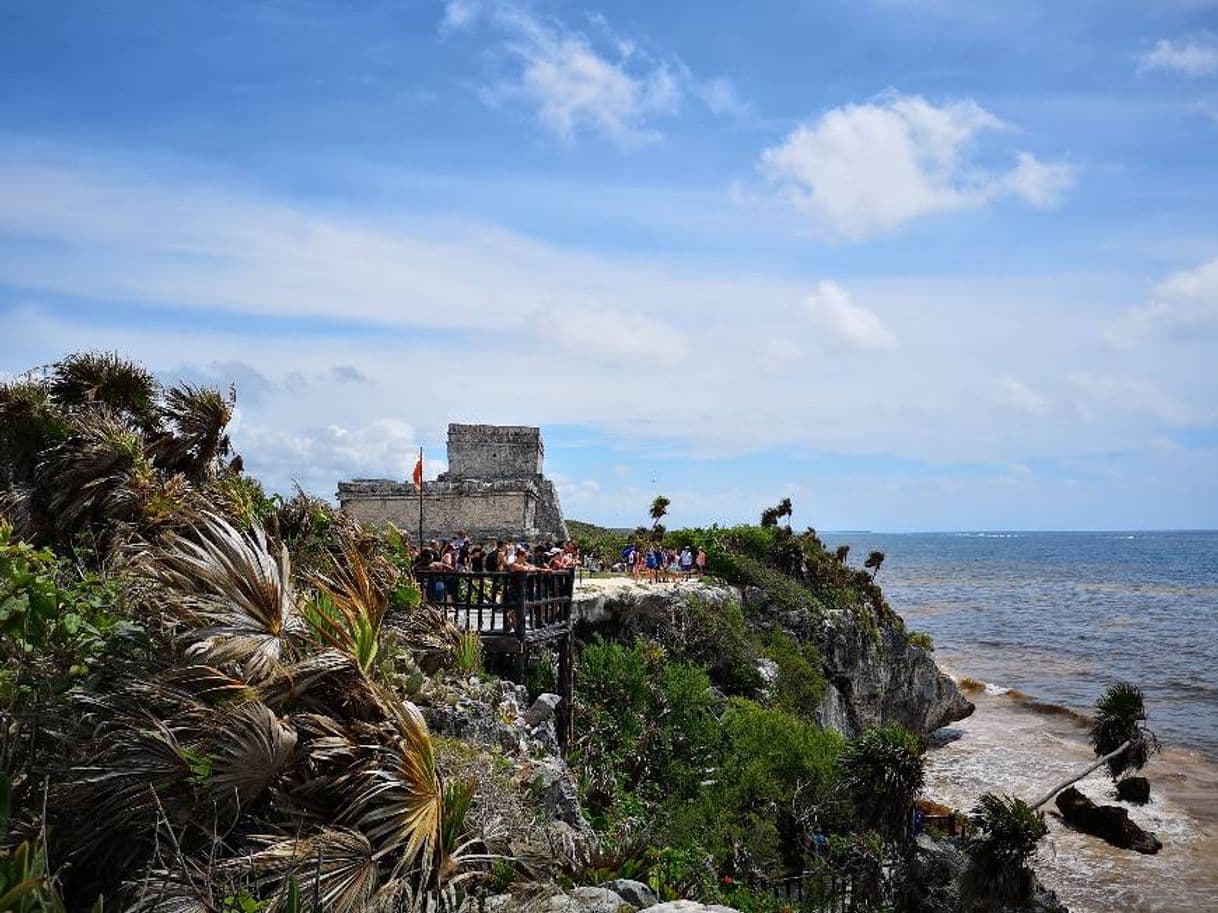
917	264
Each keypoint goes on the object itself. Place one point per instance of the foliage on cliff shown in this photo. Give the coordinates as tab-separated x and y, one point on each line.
205	699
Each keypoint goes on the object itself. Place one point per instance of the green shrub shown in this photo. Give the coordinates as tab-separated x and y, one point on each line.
774	770
801	682
718	638
921	639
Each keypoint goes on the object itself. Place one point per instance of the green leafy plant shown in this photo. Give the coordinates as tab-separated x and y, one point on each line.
1120	720
883	770
469	652
1005	836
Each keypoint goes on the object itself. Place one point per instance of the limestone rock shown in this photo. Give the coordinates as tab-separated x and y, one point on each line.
1134	789
1109	822
587	900
542	709
635	893
554	786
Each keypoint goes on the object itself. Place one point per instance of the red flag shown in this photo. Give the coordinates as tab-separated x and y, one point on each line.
417	476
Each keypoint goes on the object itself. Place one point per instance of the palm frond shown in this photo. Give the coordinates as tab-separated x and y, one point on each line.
399	801
97	475
234	593
85	379
197	417
336	865
249	749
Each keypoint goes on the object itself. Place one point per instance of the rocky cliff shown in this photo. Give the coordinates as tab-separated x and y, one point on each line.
873	673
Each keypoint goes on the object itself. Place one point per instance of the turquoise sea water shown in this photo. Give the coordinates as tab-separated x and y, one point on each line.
1059	615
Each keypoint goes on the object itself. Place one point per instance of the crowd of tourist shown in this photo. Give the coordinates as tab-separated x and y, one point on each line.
461	553
659	563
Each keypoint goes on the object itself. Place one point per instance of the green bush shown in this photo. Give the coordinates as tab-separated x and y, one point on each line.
921	639
775	770
801	682
716	637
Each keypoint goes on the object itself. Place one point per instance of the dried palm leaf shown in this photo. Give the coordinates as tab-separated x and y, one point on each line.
234	591
249	750
336	866
399	800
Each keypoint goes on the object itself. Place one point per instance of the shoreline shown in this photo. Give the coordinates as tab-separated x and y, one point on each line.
1018	744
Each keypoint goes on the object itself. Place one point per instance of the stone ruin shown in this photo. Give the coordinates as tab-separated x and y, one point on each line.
493	489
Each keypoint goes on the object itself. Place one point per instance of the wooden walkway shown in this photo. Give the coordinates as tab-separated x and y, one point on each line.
513	613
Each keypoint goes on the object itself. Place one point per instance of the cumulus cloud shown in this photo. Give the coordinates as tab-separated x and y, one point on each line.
578	82
1184	306
1096	396
867	169
318	457
1196	56
842	324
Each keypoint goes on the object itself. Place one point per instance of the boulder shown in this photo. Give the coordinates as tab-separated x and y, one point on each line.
1134	789
542	709
554	786
635	893
1108	822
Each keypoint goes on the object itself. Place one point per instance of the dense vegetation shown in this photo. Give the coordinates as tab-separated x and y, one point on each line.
210	698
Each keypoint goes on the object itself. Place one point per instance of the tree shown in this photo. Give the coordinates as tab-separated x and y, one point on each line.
843	551
1118	735
659	508
883	771
769	516
785	509
873	562
1118	730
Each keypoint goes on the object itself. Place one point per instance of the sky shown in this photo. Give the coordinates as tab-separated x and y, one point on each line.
915	264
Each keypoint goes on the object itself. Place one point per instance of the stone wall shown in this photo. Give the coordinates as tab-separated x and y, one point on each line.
493	489
492	452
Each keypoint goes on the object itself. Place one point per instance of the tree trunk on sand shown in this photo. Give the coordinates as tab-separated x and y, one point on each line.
1060	786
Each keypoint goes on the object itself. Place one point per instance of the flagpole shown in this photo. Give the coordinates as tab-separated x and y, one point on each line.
420	487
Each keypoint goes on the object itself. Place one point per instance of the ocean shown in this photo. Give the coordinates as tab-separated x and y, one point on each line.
1041	623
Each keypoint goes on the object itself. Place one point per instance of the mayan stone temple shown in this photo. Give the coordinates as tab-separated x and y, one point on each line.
494	488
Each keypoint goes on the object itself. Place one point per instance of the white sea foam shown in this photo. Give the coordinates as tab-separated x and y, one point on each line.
1005	748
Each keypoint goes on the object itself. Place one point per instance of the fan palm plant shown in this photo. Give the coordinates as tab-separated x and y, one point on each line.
232	590
1006	834
195	439
87	379
1118	730
399	800
350	606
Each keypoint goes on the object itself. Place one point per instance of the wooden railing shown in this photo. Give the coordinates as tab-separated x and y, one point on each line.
521	606
512	611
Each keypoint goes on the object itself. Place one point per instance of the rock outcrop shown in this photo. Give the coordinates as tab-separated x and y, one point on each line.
1108	822
1134	789
874	674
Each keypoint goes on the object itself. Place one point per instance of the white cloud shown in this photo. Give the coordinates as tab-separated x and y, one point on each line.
318	457
864	170
721	97
1096	397
601	83
1182	307
842	324
1013	392
575	86
1042	184
1196	56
